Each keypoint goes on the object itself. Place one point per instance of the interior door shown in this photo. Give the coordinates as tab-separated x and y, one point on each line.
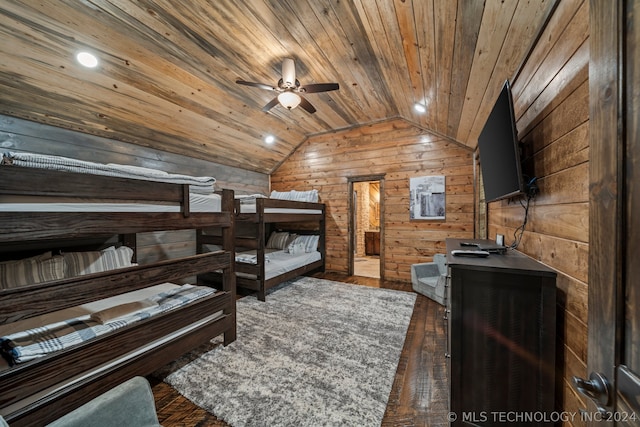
352	228
613	386
628	369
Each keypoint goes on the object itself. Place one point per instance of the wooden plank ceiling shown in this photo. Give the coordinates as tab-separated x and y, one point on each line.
168	68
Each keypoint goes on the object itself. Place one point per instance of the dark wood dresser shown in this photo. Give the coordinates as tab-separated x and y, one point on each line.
372	242
501	320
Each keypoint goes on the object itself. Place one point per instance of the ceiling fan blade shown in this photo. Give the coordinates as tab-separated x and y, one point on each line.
288	72
306	105
319	87
254	84
270	105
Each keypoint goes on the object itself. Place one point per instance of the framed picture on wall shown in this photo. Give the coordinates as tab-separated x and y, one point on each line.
427	197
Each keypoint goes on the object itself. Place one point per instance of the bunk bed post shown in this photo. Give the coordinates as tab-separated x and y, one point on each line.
262	292
130	241
322	245
229	273
186	207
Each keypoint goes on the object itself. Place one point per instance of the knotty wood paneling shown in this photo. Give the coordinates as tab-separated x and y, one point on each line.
551	97
398	150
168	68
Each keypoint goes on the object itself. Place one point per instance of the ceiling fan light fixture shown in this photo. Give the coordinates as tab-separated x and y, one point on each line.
289	89
289	100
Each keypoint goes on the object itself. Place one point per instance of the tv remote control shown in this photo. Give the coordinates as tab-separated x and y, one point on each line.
460	252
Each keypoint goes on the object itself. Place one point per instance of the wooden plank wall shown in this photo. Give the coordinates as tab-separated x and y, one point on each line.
399	150
551	95
22	135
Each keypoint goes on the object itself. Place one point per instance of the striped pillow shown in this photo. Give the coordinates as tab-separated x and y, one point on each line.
278	240
41	268
79	263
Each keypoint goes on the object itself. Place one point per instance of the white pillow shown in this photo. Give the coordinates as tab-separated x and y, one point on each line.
79	263
37	269
296	248
312	244
309	243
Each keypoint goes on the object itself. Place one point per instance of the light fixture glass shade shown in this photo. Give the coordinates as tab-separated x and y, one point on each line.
289	100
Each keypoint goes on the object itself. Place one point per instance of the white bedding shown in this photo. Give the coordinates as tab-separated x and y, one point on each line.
81	310
248	202
197	184
278	262
251	208
197	203
105	367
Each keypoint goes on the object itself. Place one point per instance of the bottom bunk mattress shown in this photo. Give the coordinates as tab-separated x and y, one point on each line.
277	261
39	336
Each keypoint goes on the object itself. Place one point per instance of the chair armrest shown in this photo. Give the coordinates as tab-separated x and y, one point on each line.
441	261
419	271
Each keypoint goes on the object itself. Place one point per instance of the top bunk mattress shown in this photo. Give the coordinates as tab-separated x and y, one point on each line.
197	184
197	203
248	203
201	189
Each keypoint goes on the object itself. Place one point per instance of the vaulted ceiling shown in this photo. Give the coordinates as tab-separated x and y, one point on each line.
168	68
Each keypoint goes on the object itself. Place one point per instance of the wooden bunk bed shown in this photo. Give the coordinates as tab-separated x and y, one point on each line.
43	389
254	224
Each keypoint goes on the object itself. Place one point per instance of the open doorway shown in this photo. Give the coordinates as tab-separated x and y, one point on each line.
366	226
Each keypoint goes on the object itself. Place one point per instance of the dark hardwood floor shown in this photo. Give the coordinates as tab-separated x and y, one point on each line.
419	396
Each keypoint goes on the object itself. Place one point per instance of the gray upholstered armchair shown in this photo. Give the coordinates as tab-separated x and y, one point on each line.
128	404
429	278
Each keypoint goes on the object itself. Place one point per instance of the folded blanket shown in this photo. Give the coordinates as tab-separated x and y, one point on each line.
108	314
250	257
201	185
38	342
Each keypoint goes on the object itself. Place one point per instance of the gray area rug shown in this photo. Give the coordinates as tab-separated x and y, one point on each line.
316	353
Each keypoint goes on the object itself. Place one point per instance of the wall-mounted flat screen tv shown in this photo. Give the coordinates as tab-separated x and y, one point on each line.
499	151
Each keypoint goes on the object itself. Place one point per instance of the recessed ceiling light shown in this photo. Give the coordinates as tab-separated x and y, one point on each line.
269	139
420	108
87	59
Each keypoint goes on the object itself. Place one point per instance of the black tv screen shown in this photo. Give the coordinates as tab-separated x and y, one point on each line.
499	151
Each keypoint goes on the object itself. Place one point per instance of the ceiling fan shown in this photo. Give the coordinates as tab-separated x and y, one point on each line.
289	89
